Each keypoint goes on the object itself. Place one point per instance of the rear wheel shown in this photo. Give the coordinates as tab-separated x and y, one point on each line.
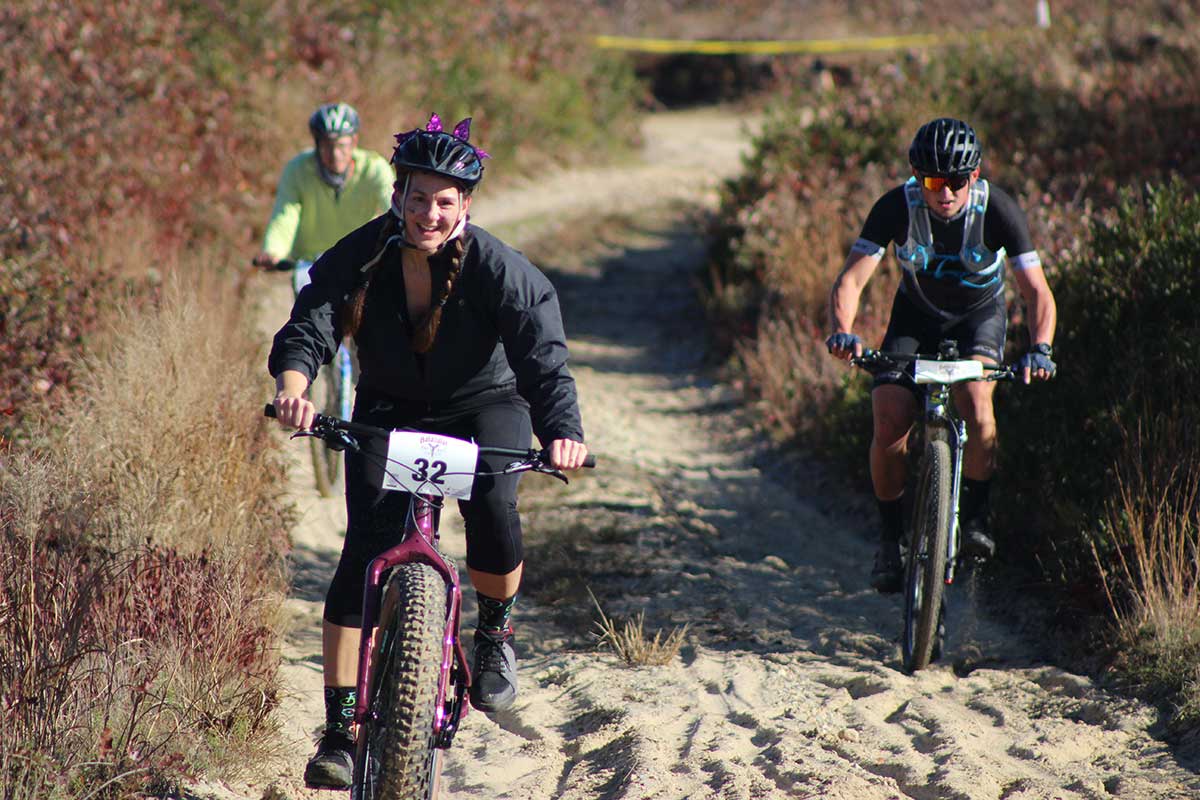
327	394
400	760
925	577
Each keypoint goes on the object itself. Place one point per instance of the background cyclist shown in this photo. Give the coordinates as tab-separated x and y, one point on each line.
326	192
457	333
954	234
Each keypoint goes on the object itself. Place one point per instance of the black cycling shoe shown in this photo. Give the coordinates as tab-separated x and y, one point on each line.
976	543
887	576
333	765
494	677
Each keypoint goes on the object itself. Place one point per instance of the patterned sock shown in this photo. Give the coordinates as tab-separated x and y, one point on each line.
892	514
494	615
339	708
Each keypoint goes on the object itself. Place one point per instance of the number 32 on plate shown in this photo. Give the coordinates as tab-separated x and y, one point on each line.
431	464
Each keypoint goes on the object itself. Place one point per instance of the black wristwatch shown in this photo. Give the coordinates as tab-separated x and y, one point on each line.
1043	348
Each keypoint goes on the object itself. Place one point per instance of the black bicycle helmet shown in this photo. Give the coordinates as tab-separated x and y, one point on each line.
945	147
333	119
434	150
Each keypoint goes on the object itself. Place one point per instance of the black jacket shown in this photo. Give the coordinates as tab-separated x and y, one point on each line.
501	330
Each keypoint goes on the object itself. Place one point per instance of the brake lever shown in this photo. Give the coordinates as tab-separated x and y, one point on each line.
335	439
534	466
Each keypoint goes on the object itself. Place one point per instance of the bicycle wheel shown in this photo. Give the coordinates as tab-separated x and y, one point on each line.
400	759
926	573
326	394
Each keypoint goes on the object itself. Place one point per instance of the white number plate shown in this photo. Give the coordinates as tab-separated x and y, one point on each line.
946	371
430	464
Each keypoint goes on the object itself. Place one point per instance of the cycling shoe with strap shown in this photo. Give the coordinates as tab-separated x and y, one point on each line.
494	684
333	765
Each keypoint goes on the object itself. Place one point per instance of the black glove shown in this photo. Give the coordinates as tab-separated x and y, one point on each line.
842	341
1038	358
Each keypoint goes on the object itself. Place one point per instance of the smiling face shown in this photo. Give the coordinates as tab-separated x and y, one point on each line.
432	209
946	202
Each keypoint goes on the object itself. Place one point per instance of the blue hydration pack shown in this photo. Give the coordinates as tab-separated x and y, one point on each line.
972	262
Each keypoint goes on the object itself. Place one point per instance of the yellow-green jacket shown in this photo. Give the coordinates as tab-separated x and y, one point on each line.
310	216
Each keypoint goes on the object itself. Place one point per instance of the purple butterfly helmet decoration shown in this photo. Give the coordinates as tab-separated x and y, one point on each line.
444	153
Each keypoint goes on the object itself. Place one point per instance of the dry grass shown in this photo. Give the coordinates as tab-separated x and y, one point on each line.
167	424
1152	578
141	548
791	372
630	642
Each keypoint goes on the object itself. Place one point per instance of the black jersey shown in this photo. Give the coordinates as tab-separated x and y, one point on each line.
949	288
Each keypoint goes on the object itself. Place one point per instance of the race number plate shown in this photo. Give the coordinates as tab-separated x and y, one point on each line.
430	464
946	371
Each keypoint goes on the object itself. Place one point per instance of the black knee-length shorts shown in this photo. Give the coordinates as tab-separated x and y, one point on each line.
376	517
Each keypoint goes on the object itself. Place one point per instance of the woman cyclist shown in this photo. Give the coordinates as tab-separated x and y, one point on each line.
458	334
954	235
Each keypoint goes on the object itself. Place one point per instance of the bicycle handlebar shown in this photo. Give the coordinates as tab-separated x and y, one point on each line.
878	360
326	428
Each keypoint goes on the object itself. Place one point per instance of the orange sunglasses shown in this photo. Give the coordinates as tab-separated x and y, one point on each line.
935	183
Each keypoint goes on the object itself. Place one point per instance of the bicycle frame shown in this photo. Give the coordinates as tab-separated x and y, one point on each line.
345	367
939	411
419	545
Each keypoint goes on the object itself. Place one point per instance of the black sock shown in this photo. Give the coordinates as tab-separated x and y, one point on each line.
339	708
892	514
973	502
495	615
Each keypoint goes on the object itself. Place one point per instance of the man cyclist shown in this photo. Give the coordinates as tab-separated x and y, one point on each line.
954	234
326	192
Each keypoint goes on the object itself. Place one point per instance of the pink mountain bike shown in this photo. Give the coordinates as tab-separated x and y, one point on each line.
413	675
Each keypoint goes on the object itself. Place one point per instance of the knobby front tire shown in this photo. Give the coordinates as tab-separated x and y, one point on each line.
401	761
925	579
326	393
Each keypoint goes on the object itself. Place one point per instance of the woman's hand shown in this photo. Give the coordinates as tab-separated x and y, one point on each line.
291	409
567	454
294	412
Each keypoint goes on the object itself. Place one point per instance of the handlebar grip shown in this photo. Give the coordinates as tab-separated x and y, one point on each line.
269	410
589	462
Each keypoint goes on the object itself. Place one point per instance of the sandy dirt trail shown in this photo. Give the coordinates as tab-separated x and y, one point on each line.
789	682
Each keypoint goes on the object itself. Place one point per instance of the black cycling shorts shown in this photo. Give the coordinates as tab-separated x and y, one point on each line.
979	332
376	517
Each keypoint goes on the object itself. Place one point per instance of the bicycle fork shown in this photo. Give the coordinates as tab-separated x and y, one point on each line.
417	547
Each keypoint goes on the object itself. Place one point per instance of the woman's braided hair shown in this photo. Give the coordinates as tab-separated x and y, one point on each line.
352	311
426	329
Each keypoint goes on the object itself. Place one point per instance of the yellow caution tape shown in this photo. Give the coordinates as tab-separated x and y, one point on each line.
718	47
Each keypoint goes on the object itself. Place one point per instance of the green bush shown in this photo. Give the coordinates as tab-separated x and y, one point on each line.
1128	350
